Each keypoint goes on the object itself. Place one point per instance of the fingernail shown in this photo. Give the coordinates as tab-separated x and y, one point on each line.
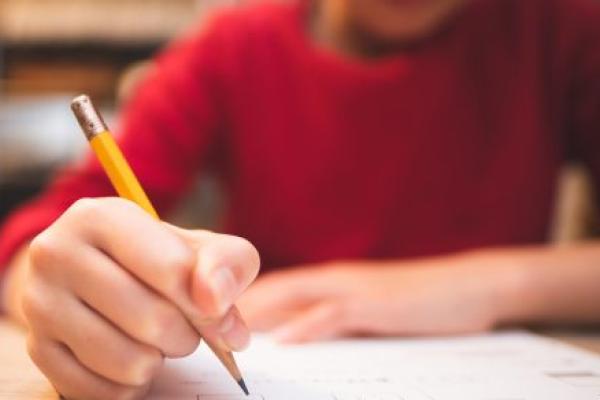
223	284
233	333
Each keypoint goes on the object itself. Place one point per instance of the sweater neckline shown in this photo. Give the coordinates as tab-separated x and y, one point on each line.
398	64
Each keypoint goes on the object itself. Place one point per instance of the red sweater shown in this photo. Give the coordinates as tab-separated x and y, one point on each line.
453	145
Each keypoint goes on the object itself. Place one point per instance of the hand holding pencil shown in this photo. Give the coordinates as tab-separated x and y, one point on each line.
113	291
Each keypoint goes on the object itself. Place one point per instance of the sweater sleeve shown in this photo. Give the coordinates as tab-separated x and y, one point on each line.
167	131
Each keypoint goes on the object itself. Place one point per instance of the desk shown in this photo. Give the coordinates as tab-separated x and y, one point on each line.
20	380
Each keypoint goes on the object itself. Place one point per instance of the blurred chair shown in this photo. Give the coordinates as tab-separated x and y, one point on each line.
576	214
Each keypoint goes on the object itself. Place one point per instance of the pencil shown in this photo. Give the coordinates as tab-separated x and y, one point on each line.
127	186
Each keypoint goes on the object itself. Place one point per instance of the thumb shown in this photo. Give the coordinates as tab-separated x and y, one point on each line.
225	266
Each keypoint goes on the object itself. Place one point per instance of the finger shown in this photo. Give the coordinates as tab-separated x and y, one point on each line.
231	332
95	278
226	267
264	316
137	242
321	322
135	309
71	379
273	299
97	344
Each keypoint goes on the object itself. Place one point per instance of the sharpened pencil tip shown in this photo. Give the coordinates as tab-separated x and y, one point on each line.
243	386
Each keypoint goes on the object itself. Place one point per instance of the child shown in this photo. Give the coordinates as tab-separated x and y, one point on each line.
397	157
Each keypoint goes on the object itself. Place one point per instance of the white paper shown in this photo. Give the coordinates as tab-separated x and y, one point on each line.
502	366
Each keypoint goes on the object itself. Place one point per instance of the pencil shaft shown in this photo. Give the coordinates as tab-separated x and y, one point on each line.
119	172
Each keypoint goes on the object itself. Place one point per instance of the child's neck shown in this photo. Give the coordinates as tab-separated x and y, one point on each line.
331	27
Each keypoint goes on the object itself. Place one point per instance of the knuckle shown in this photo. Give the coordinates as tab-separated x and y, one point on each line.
42	249
85	208
97	208
160	322
34	308
141	367
28	305
118	203
127	393
181	259
177	266
38	349
185	347
337	312
34	349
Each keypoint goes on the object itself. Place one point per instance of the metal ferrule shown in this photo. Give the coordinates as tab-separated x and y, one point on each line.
88	116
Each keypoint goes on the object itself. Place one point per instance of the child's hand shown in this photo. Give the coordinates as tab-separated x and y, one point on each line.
110	292
439	296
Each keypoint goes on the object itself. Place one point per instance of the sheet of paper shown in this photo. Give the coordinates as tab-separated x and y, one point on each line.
502	366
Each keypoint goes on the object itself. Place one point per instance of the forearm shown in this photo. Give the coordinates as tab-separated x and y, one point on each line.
12	286
547	284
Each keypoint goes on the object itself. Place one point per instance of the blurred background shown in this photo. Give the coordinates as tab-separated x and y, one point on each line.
51	50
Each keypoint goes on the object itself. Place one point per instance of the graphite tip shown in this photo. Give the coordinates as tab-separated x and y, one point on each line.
243	386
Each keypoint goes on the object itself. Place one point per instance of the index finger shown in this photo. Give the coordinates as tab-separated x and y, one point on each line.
164	260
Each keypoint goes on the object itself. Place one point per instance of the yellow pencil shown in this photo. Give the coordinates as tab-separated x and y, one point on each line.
127	186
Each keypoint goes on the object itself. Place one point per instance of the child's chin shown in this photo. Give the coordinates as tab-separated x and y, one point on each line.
407	35
413	23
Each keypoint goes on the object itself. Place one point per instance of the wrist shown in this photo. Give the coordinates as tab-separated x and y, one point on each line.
507	286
